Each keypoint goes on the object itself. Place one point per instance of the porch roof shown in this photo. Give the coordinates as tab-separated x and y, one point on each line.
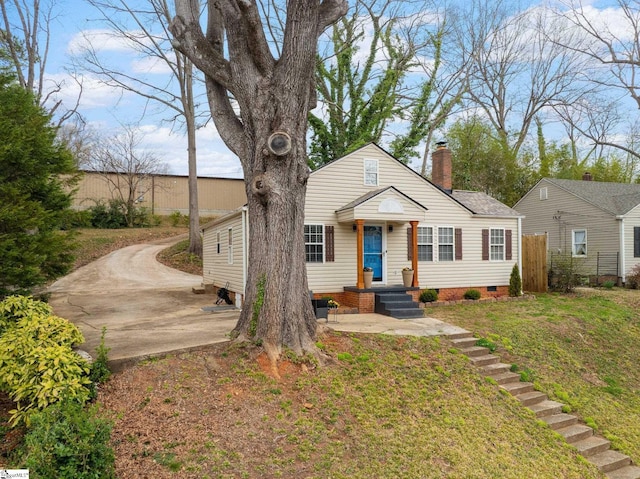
385	204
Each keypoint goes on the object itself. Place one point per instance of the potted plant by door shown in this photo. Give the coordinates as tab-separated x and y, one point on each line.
368	276
407	277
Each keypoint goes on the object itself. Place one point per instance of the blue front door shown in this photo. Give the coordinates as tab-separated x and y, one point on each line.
373	250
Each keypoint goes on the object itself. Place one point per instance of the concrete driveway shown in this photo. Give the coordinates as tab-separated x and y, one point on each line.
147	308
150	309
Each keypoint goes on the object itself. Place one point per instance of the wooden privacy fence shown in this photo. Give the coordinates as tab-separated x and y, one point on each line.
534	263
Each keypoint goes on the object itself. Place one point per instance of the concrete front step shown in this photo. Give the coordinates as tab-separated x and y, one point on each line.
474	351
518	388
505	377
484	360
558	421
464	342
531	398
496	368
460	335
610	460
575	432
627	472
406	313
591	446
546	408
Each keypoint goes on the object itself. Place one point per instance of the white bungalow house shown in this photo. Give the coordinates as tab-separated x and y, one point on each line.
368	209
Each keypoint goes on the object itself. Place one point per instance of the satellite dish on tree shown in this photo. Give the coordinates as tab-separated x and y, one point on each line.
279	143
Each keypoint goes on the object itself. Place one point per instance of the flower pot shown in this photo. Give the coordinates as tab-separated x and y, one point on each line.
368	279
407	278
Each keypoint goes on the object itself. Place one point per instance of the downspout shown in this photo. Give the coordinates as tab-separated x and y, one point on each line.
245	251
520	249
621	261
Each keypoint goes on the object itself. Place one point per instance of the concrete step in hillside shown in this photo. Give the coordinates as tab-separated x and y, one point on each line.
518	388
484	360
466	342
575	432
546	408
474	351
558	421
591	446
505	377
626	472
610	460
495	368
532	397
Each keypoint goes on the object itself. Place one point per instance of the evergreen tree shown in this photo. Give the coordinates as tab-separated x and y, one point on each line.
36	174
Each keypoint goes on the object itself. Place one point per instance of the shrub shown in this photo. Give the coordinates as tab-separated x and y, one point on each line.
515	282
67	441
428	296
472	294
111	216
565	272
37	363
178	219
100	371
608	284
633	277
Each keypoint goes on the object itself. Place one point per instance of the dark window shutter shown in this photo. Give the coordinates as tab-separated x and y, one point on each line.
485	245
636	241
409	245
458	246
508	249
329	252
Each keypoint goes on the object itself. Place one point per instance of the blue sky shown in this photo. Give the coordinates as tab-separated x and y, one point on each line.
107	109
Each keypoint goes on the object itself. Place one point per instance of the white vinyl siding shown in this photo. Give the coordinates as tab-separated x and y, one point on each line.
314	243
370	172
445	243
425	243
579	243
216	269
496	244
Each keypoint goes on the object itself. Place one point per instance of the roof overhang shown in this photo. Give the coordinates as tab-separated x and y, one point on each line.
387	204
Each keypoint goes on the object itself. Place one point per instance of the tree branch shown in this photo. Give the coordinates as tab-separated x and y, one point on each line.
331	11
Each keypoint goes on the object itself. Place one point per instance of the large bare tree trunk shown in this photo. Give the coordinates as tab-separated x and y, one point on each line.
272	95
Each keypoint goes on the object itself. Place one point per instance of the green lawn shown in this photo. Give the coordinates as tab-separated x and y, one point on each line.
581	349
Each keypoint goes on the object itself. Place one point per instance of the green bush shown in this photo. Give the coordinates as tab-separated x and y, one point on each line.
608	284
515	282
472	294
38	366
178	219
67	441
428	296
100	371
111	216
566	272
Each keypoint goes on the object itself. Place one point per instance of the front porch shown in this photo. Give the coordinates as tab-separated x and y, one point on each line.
386	300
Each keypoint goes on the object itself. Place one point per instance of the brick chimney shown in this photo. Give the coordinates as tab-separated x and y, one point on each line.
587	176
441	166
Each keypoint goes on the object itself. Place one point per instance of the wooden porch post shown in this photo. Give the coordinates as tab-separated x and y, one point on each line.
414	252
360	253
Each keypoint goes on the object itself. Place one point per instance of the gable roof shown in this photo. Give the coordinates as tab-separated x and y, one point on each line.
482	204
615	198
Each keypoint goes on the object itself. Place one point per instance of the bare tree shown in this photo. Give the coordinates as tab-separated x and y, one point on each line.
144	29
126	167
614	44
267	130
25	36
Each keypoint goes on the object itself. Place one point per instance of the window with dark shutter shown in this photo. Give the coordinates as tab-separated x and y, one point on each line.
636	241
458	244
508	245
485	245
329	254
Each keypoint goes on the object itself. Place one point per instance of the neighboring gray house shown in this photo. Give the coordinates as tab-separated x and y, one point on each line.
369	209
593	220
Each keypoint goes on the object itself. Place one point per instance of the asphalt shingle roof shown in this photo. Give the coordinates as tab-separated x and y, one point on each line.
482	204
616	198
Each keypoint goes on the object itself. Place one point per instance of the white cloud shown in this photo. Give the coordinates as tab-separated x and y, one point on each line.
153	65
98	40
93	92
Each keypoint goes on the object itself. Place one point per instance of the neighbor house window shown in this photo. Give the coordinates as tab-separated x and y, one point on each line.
218	242
313	243
425	243
579	242
230	247
371	172
445	244
636	241
496	244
